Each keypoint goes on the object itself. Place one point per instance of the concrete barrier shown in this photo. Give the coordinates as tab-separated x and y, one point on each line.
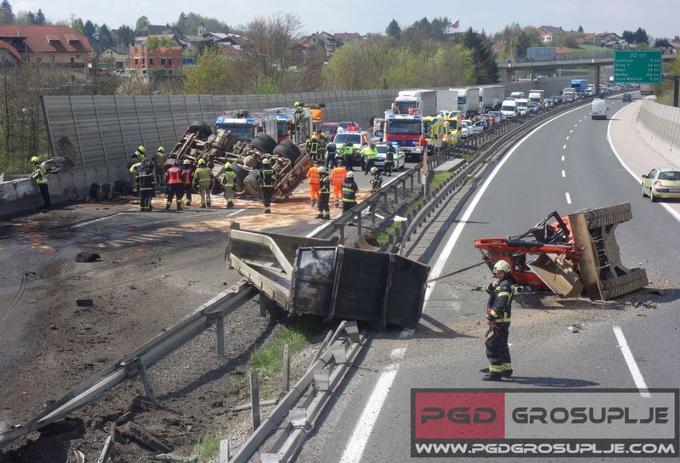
661	128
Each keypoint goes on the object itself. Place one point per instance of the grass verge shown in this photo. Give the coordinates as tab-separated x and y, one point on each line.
269	359
208	447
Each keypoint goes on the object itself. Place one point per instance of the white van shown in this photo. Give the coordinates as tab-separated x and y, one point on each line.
599	109
509	109
522	106
515	95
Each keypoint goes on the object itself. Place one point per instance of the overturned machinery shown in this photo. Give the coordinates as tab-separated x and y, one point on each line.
289	162
317	277
575	254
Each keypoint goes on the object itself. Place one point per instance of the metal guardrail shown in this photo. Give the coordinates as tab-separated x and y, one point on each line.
139	361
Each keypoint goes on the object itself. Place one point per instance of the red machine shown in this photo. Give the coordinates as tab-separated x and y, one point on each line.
574	253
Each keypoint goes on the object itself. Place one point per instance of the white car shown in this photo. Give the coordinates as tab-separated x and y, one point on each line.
522	106
467	128
509	109
399	158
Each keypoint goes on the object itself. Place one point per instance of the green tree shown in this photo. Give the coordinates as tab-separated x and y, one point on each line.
6	12
154	42
105	37
141	23
393	30
580	29
214	74
77	24
89	29
357	65
39	17
187	24
125	35
486	69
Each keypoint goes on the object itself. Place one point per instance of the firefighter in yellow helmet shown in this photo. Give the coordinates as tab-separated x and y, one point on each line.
498	314
39	176
228	183
203	180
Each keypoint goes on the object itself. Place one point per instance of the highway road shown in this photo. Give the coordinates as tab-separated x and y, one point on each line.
565	165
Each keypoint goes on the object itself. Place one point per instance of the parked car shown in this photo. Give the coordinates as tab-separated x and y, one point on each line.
399	158
661	183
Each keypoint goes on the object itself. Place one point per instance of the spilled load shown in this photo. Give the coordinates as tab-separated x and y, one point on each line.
233	144
574	254
318	277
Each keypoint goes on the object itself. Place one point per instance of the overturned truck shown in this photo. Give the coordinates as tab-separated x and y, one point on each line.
574	254
289	161
318	277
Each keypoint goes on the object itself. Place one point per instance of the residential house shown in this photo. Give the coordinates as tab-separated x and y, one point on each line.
346	37
327	42
151	29
547	33
166	61
114	58
9	56
47	44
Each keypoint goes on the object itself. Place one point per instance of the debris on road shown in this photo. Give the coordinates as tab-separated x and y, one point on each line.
575	328
575	254
85	302
88	257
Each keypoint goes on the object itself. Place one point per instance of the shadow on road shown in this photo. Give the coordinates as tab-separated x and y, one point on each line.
543	381
436	329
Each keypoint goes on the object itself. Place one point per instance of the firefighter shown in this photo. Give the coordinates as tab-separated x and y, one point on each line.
39	176
228	179
173	178
349	194
371	156
365	152
160	163
376	180
140	154
203	181
347	153
322	143
389	159
324	195
187	177
498	314
338	175
267	181
146	184
314	179
313	149
331	152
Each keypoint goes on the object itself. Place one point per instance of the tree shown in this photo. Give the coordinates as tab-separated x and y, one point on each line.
77	24
662	43
89	29
6	12
393	30
580	29
214	74
141	23
486	69
105	37
39	17
641	36
154	42
187	24
125	35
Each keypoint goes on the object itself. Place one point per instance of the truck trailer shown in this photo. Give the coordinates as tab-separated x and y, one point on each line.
491	97
422	102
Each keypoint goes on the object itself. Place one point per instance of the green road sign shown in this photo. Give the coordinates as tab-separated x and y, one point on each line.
637	67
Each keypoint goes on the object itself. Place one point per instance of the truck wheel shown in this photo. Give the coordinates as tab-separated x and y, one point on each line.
263	142
287	150
201	127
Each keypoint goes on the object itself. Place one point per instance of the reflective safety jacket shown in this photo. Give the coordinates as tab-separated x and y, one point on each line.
349	191
39	175
313	176
267	178
145	177
173	175
348	150
228	179
369	153
338	175
187	173
313	147
325	185
499	307
203	177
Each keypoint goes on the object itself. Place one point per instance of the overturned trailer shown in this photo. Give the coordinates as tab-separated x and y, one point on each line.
575	254
289	161
318	277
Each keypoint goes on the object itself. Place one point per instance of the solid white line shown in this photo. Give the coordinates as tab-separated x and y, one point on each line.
630	361
100	219
564	174
568	196
238	211
675	214
357	443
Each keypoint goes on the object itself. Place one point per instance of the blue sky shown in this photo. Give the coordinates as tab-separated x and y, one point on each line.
659	17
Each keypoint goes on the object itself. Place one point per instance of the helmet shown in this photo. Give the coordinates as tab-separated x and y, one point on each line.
372	145
314	137
201	162
161	150
350	175
186	162
297	104
266	161
138	153
227	166
141	149
374	170
501	266
35	160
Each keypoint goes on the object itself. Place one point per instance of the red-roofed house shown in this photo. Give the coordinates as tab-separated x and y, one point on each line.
346	37
9	54
47	44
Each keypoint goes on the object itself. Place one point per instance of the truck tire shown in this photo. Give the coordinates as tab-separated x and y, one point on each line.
202	128
287	150
263	142
251	184
241	174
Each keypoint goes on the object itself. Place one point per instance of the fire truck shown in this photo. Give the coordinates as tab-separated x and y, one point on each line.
404	130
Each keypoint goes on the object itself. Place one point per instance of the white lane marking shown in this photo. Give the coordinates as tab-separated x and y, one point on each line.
630	361
357	443
675	214
563	158
238	211
575	125
398	353
567	138
568	196
580	120
564	147
100	219
571	131
564	174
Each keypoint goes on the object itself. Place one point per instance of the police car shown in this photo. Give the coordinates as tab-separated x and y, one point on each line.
399	158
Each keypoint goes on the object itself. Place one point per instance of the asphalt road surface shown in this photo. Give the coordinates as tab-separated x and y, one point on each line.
565	165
